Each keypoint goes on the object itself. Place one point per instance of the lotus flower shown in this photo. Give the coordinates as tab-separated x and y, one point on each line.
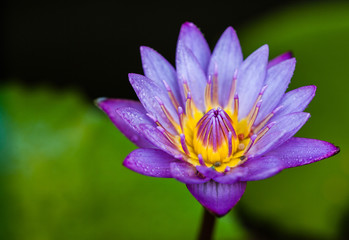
217	120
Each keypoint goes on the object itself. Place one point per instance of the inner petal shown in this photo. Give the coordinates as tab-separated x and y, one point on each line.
214	137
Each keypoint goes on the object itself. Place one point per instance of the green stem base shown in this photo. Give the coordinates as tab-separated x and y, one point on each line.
207	226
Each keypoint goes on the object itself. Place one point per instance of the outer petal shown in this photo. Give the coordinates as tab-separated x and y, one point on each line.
300	151
147	91
193	39
251	76
216	197
150	162
186	173
158	139
285	127
141	123
296	100
208	172
232	176
190	71
226	58
110	106
279	59
262	168
158	69
278	78
254	169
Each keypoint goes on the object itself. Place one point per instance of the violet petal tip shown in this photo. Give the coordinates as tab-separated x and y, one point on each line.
99	100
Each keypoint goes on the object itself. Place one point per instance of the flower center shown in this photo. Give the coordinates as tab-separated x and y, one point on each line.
214	138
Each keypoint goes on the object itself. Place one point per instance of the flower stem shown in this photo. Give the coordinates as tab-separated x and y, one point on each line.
207	226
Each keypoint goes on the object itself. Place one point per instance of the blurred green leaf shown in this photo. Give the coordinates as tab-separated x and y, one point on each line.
62	176
310	200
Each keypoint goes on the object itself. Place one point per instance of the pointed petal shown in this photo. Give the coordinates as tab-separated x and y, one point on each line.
190	71
150	162
159	140
278	78
285	127
296	100
250	79
142	124
146	91
232	176
216	197
158	69
300	151
279	59
186	173
208	172
110	106
226	58
193	39
293	153
261	168
254	169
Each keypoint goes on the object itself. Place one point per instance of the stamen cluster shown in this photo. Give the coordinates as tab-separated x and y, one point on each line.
215	137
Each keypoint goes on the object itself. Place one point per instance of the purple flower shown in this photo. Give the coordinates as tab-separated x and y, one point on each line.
216	121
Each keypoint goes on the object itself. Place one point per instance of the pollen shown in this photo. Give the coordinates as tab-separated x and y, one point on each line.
241	146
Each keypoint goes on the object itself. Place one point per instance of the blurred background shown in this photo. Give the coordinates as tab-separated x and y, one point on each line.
60	157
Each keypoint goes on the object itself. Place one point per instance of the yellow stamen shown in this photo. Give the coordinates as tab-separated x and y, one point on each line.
208	100
215	91
215	138
171	95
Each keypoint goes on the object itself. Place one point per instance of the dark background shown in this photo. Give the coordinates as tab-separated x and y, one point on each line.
92	45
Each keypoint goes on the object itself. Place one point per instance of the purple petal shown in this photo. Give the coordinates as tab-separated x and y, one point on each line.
186	173
226	58
279	59
193	39
254	169
300	151
278	78
208	172
158	69
159	140
110	106
261	168
142	124
216	197
285	127
293	153
296	100
146	91
150	162
250	79
190	71
232	176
